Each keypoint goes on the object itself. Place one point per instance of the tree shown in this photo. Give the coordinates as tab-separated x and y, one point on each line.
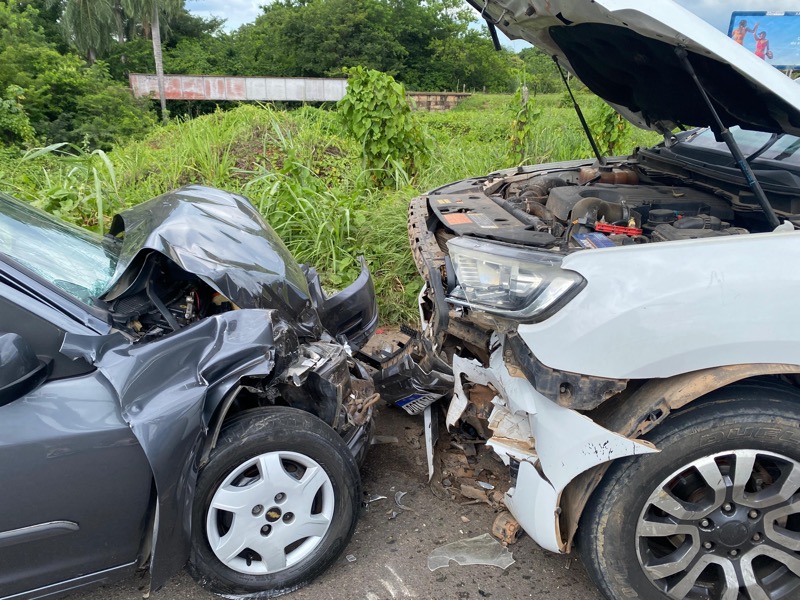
426	45
87	25
47	16
542	73
148	14
64	99
470	60
15	127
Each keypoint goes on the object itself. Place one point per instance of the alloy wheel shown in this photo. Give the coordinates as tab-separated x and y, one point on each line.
724	527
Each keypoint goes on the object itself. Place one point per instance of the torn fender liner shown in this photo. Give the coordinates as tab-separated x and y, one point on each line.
164	388
221	238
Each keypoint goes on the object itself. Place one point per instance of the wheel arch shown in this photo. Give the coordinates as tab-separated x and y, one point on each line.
640	410
238	398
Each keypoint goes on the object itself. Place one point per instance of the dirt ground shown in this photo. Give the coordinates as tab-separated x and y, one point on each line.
387	558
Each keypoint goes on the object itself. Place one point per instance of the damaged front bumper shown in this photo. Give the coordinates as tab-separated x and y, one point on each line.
534	424
545	444
327	382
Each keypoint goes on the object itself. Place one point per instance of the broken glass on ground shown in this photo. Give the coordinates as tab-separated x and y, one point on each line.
481	550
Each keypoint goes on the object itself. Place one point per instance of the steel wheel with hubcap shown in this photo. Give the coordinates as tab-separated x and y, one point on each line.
717	511
275	505
270	513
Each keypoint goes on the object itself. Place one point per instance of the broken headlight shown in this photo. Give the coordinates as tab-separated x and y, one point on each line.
513	282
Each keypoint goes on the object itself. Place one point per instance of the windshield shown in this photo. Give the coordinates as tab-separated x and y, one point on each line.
786	150
749	141
75	260
782	148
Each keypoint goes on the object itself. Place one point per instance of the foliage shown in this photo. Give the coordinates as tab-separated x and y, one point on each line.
376	113
470	62
87	25
305	173
521	137
425	45
609	129
541	73
45	16
74	185
15	127
65	100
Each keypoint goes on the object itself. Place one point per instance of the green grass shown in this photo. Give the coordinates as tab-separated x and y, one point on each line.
305	176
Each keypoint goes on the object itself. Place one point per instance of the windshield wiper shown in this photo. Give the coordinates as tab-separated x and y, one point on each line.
729	140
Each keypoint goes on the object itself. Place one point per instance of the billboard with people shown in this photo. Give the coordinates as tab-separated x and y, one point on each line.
772	36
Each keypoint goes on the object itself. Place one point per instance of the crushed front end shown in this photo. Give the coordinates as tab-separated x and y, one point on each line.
478	290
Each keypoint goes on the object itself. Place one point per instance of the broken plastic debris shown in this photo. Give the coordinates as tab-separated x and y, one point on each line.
350	558
398	497
506	528
384	439
486	486
394	515
374	498
474	493
481	550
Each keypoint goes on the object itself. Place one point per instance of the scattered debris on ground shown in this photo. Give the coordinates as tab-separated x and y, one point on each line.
506	528
480	550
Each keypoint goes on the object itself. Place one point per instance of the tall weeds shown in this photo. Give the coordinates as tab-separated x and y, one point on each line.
305	175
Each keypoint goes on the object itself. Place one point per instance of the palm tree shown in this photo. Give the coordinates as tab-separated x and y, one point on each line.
147	13
87	25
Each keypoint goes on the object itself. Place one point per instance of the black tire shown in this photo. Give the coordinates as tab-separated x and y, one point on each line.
623	538
273	433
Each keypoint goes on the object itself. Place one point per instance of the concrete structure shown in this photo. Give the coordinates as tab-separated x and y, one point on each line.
271	89
435	101
212	87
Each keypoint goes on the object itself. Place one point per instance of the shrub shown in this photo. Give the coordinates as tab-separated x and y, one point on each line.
376	113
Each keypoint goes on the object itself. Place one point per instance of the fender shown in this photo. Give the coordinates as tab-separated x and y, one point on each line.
635	413
167	404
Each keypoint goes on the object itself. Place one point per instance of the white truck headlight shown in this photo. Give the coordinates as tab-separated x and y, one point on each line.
513	282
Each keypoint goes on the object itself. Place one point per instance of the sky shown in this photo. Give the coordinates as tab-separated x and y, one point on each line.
716	12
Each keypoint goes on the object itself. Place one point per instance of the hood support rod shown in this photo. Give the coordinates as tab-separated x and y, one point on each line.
729	140
600	159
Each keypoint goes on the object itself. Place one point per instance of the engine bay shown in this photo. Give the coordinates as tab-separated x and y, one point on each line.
163	298
589	207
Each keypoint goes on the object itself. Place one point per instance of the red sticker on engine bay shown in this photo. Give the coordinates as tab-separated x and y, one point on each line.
457	219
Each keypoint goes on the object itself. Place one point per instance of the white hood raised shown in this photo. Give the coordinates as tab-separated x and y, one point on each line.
624	51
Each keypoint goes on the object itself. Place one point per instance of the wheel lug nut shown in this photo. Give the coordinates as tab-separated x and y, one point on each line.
734	553
727	507
705	523
280	497
265	530
257	510
753	514
708	545
756	537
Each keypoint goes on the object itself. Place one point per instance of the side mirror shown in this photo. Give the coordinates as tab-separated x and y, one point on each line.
21	371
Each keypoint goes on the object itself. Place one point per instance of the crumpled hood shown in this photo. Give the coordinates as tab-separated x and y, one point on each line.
221	238
624	51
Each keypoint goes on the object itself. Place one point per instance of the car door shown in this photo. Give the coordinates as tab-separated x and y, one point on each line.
76	485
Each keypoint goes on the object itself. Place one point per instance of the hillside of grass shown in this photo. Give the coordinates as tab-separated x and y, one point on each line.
305	175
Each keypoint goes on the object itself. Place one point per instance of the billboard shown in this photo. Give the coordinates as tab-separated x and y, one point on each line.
773	36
